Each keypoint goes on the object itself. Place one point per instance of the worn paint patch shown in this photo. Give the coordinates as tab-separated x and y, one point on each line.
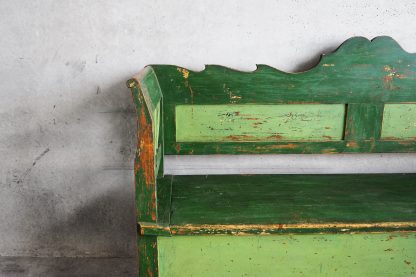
144	167
205	123
270	229
267	229
390	76
185	73
145	149
399	121
148	264
288	255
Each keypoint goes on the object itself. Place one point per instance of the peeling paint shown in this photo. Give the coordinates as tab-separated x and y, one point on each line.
267	229
146	151
352	144
185	73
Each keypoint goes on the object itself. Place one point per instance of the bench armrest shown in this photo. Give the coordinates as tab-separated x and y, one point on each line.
148	163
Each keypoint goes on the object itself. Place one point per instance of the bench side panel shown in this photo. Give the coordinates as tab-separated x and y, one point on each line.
149	154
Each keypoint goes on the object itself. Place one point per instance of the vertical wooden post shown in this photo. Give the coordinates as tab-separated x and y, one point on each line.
148	164
363	123
148	263
144	166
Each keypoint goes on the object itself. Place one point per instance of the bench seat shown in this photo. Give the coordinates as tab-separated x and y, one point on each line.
279	203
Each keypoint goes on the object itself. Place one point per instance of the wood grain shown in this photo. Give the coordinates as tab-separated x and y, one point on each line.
293	199
399	122
210	123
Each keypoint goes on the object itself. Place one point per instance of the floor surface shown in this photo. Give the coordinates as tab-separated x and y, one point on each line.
65	267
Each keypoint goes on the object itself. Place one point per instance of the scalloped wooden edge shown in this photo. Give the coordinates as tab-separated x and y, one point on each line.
260	67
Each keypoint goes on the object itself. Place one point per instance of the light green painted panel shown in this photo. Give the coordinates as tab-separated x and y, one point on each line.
399	121
312	122
388	254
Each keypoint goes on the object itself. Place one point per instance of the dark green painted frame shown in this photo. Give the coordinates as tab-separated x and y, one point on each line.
364	75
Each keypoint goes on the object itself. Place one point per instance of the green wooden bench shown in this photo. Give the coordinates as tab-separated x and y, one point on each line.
359	99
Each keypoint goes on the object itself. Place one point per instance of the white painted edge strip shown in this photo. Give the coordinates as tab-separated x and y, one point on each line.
289	164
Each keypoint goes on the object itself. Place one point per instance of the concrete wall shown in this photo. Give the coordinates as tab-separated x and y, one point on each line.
67	127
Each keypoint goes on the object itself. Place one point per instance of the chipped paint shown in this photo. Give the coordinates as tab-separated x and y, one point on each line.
146	149
148	258
284	146
329	151
352	144
185	72
391	74
234	98
240	138
266	229
145	165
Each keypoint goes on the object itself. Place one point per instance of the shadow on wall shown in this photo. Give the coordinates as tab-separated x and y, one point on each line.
103	222
76	198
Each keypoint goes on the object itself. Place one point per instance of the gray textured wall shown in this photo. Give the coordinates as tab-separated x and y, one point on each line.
67	121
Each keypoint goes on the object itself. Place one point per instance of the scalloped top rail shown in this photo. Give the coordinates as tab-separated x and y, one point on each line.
360	98
382	45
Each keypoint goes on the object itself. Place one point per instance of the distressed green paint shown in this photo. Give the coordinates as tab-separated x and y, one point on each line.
363	76
363	122
295	147
147	253
292	199
152	94
164	193
382	254
144	190
147	98
150	91
359	72
202	123
399	121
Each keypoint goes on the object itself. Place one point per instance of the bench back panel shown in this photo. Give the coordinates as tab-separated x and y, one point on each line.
361	98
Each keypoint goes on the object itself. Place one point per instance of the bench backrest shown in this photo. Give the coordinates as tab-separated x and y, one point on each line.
361	98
